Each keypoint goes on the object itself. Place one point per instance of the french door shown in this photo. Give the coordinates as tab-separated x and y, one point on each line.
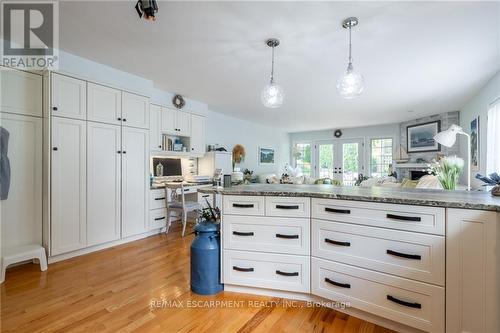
341	160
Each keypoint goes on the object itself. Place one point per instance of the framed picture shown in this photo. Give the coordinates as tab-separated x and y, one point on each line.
474	144
420	138
266	155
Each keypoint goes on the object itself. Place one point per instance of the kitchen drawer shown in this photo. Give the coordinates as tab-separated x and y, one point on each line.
429	220
157	218
157	198
407	254
288	206
268	234
265	270
412	303
243	205
203	197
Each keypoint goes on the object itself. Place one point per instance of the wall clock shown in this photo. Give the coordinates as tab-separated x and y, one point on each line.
337	133
178	101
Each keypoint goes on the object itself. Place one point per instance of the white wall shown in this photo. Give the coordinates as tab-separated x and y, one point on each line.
478	106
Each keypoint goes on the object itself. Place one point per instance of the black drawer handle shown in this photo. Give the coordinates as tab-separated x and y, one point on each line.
404	218
287	236
205	196
404	255
243	205
159	218
401	302
334	242
338	284
160	198
238	233
339	211
241	269
286	273
287	207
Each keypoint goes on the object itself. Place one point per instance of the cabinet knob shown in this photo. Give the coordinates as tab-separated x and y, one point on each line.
192	148
124	119
119	119
159	146
119	152
54	108
124	152
54	148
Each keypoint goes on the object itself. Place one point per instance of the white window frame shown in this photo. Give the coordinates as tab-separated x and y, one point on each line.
492	138
369	151
313	162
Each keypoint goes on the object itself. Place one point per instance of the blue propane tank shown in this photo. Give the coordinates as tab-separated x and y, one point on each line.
205	259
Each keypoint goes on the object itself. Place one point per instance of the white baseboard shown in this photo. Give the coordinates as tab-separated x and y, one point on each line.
99	247
316	299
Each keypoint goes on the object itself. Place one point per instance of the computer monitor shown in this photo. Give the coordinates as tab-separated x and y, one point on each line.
171	166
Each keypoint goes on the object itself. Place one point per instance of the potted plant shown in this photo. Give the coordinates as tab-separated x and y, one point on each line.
492	180
447	170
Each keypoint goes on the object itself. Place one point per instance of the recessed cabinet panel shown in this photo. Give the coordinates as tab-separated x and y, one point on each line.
69	97
104	104
103	182
197	135
68	184
168	121
183	123
155	127
21	92
135	110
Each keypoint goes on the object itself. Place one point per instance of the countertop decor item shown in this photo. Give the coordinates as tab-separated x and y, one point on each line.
272	95
492	180
178	101
447	170
350	84
448	138
239	154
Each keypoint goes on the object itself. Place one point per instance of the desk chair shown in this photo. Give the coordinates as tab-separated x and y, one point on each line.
177	203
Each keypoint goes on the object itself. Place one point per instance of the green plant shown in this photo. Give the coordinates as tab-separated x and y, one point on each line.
209	214
447	170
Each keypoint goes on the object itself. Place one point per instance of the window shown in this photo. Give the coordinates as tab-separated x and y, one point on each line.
302	157
381	157
493	142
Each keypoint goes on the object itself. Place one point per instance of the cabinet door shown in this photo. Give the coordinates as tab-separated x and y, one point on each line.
168	121
68	185
197	135
21	92
104	104
69	97
472	271
135	110
103	182
135	184
155	127
183	120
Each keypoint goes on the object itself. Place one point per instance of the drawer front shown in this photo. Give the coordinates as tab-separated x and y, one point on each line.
157	198
266	270
268	234
412	218
243	205
407	254
288	207
157	218
412	303
203	198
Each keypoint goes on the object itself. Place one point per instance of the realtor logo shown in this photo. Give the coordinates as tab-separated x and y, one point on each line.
30	34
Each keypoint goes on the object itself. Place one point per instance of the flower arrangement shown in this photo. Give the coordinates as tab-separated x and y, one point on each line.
238	154
447	170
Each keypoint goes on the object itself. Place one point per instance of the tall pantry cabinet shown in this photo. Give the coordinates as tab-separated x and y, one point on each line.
99	164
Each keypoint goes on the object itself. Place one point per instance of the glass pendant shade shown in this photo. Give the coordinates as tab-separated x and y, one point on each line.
272	95
351	84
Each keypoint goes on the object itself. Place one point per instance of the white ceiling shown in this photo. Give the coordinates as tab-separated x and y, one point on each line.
426	57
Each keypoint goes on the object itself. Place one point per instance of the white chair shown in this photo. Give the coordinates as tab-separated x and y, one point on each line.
177	202
22	253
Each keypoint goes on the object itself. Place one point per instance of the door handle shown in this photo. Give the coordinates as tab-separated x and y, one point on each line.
242	269
338	284
287	236
239	233
54	108
124	119
404	218
159	218
287	273
243	205
334	242
404	255
54	148
160	198
336	210
401	302
119	119
287	206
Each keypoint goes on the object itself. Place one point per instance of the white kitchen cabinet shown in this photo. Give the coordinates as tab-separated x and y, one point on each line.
135	171
472	271
197	135
69	97
169	121
21	92
103	182
104	104
155	137
183	123
68	184
135	110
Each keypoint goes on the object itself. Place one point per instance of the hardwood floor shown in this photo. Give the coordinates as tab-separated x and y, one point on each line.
112	290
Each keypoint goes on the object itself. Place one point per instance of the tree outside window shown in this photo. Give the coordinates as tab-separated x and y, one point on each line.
302	156
380	157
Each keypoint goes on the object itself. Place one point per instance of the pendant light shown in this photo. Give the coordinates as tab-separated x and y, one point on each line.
272	94
351	84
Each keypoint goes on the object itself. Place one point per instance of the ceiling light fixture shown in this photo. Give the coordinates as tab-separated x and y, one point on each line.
351	84
272	94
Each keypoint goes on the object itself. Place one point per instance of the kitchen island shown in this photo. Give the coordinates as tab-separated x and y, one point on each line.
406	259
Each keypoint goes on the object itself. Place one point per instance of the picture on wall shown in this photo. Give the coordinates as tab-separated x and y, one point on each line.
266	155
420	138
474	144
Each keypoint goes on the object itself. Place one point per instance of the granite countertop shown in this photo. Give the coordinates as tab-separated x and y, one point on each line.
408	196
